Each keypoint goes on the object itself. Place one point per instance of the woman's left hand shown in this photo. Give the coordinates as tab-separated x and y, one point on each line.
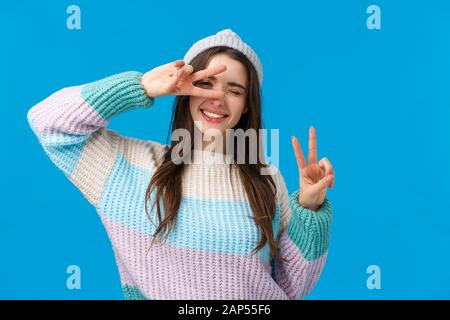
315	177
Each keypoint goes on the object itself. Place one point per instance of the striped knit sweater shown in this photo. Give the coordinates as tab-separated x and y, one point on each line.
208	253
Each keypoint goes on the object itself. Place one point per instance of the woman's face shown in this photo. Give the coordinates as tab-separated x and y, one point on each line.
222	113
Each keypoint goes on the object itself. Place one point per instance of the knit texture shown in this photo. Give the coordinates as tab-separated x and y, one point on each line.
208	254
227	38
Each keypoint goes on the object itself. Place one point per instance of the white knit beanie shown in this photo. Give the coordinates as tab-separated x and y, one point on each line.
226	38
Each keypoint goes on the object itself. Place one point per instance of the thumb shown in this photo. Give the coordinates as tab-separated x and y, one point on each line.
321	184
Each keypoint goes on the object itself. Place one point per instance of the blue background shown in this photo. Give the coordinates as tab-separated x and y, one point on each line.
379	100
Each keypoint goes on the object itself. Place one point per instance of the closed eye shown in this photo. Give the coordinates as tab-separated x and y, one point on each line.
208	84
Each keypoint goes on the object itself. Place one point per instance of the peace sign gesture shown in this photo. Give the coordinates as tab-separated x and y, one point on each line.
314	177
176	78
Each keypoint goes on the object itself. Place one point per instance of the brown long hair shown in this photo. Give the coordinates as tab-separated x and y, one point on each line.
260	189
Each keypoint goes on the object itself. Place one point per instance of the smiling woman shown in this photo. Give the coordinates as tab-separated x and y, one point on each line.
230	231
227	110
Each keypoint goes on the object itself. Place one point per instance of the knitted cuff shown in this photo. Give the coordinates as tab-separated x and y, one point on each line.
116	94
310	230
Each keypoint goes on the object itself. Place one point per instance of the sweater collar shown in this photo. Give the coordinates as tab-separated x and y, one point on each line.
211	157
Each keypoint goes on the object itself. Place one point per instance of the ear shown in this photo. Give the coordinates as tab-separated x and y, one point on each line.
245	110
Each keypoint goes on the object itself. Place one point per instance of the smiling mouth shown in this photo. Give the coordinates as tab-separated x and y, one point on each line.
213	116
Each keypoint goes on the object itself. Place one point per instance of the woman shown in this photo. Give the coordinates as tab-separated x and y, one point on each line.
223	230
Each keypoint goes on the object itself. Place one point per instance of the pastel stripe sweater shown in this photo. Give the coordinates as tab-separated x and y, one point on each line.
208	253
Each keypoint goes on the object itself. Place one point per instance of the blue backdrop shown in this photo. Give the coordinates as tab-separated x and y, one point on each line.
379	100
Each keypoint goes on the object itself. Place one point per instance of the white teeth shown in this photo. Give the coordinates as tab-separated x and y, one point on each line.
212	115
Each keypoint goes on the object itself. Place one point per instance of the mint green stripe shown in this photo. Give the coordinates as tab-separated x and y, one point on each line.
132	293
310	230
116	94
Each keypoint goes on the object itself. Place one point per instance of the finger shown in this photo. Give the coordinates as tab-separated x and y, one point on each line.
328	168
322	184
174	64
325	164
171	65
205	93
301	163
313	173
206	73
186	70
178	63
312	147
175	76
182	72
331	184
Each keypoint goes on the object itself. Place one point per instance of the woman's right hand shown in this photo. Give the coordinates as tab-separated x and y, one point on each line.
176	78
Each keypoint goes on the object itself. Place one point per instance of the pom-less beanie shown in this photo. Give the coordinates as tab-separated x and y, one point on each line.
226	38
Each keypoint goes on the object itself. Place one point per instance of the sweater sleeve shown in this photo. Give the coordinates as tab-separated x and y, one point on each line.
71	127
303	238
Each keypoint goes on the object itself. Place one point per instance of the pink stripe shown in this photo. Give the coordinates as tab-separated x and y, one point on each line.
66	112
167	272
298	276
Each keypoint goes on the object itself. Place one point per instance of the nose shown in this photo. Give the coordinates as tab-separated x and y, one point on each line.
217	102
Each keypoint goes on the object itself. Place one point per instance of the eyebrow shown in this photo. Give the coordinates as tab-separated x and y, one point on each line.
231	83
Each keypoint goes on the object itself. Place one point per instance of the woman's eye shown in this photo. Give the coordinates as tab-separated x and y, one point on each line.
203	83
235	92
